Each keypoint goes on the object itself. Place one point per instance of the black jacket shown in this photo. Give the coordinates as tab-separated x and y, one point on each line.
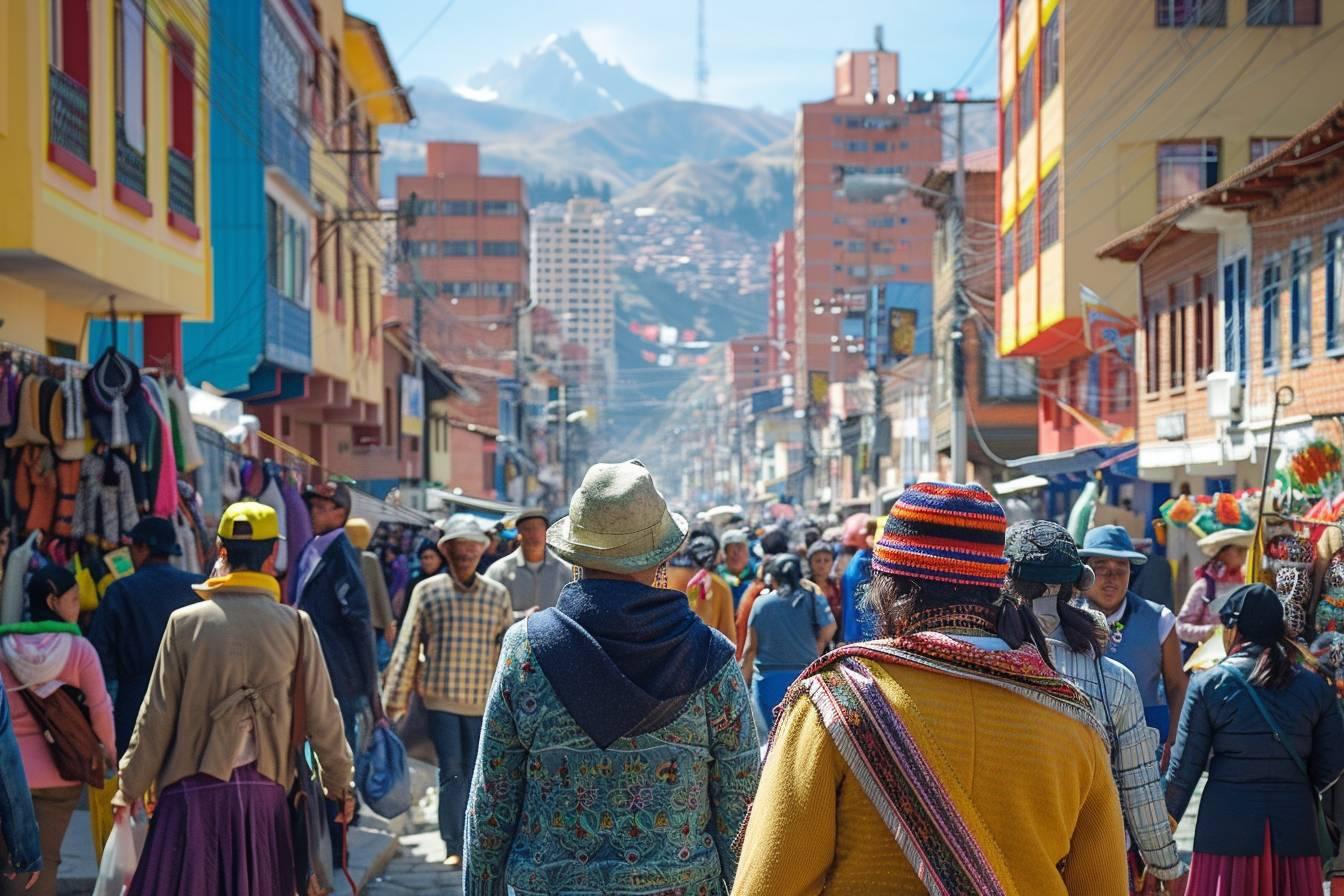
335	597
1252	778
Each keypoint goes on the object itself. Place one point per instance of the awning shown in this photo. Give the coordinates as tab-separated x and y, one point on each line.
441	500
1079	461
376	510
1020	484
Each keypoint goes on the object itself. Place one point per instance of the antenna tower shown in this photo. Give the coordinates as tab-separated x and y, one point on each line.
701	64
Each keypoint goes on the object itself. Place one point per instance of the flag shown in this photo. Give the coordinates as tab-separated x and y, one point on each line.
1103	326
1115	433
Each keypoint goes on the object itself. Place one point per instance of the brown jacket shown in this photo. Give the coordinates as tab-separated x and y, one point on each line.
221	662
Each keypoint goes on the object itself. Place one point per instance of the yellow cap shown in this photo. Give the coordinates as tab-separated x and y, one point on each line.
249	521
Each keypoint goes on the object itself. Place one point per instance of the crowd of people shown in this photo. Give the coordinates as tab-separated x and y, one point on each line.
1002	705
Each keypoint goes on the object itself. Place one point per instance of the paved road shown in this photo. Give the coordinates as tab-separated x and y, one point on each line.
419	869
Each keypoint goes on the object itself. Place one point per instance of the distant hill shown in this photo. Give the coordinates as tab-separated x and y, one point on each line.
561	76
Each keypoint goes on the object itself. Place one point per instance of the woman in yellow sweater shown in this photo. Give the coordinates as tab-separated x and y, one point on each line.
952	736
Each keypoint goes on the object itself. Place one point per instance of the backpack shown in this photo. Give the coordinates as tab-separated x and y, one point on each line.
63	719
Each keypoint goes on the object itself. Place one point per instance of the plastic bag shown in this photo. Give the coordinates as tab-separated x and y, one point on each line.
121	855
381	773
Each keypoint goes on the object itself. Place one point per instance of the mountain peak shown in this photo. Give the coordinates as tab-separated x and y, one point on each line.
561	76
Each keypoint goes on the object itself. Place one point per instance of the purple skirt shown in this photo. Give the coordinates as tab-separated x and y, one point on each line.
218	838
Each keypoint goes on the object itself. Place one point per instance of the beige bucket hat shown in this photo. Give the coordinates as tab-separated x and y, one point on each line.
618	521
1212	544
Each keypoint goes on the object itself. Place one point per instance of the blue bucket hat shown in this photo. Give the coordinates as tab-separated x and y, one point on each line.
1112	542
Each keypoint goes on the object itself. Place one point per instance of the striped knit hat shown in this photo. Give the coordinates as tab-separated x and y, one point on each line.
945	533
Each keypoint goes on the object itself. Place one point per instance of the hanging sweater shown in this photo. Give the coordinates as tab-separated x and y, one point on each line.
105	510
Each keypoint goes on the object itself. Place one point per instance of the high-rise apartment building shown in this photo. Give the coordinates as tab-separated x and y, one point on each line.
1151	102
572	279
783	311
844	247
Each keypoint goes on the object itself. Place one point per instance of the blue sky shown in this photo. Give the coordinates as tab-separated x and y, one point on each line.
770	53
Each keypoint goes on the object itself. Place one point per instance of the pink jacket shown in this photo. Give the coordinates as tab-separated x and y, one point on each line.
82	670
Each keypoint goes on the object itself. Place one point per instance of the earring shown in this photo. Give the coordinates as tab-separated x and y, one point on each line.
660	577
578	572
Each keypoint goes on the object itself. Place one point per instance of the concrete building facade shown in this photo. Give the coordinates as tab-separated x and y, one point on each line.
572	278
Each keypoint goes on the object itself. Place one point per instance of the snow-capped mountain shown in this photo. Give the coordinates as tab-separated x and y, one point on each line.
562	77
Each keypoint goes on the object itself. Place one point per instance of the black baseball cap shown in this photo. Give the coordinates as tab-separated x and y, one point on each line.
49	581
157	534
1256	611
336	492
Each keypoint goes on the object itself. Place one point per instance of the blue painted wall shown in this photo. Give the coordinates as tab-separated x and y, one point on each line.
225	351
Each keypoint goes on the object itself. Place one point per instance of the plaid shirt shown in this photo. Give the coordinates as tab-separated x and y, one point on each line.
448	646
1133	754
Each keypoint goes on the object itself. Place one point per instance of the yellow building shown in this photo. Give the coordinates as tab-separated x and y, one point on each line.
103	170
1108	112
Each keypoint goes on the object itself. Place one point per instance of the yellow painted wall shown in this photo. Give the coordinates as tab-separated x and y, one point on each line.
99	245
1230	83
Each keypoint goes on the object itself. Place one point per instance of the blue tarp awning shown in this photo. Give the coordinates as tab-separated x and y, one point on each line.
1116	460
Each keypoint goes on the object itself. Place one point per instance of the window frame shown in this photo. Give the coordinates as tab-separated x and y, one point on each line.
1209	173
1234	286
1026	93
1194	19
1008	258
1176	333
1047	196
1333	260
1289	9
1152	361
1271	312
1008	128
1299	302
1026	240
1050	57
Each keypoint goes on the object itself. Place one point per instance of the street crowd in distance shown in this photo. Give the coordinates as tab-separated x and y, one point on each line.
622	700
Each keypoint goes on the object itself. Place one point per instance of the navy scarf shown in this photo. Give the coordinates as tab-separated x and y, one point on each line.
624	657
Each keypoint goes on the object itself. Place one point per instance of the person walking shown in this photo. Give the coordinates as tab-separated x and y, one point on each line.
1142	637
532	574
1044	573
213	737
1214	581
20	842
922	738
691	571
133	615
618	754
1272	738
40	657
360	534
860	624
820	566
789	628
737	568
457	619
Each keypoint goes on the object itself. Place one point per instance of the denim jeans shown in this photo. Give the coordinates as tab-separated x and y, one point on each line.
353	713
456	740
19	836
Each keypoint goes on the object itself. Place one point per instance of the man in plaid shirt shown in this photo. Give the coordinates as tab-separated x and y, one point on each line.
447	650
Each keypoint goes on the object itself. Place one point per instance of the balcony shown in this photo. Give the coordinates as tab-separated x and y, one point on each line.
69	125
130	162
283	146
289	332
181	185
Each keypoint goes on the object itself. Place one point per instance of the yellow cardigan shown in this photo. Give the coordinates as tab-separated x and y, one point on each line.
1041	782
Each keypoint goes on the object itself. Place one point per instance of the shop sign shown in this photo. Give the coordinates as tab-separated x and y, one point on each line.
412	405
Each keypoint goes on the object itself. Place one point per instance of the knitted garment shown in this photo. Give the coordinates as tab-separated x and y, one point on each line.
945	533
1042	551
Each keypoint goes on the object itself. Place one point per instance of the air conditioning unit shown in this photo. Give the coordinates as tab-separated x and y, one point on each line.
1224	397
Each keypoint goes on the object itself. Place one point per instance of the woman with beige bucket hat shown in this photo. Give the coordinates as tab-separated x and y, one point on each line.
617	753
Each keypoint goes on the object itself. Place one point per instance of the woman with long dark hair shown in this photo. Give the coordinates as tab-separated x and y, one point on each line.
1272	739
920	737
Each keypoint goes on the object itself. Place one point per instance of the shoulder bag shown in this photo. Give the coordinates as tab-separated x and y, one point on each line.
63	719
1325	841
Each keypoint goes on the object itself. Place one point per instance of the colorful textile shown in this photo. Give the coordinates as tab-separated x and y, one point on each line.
550	812
945	533
219	838
1267	874
459	628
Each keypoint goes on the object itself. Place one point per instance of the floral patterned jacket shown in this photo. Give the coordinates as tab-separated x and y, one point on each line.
551	812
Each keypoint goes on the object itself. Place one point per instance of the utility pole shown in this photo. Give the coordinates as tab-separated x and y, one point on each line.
959	304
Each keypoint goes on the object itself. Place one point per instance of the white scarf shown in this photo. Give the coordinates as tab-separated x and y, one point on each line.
36	660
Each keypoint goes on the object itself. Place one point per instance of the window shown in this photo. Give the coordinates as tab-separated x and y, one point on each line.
1152	380
1236	308
1299	310
1006	379
459	289
1333	256
1263	146
1283	12
129	56
1119	378
458	208
1049	200
1188	13
1007	265
1271	277
182	128
1184	168
499	209
1026	240
419	249
1026	96
1176	335
69	81
1050	55
458	248
286	253
499	290
501	249
1007	119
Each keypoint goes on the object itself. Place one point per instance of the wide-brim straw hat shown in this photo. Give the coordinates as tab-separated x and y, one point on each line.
618	522
1215	542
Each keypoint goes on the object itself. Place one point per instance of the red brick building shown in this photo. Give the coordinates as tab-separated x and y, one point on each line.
783	310
1241	295
749	366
